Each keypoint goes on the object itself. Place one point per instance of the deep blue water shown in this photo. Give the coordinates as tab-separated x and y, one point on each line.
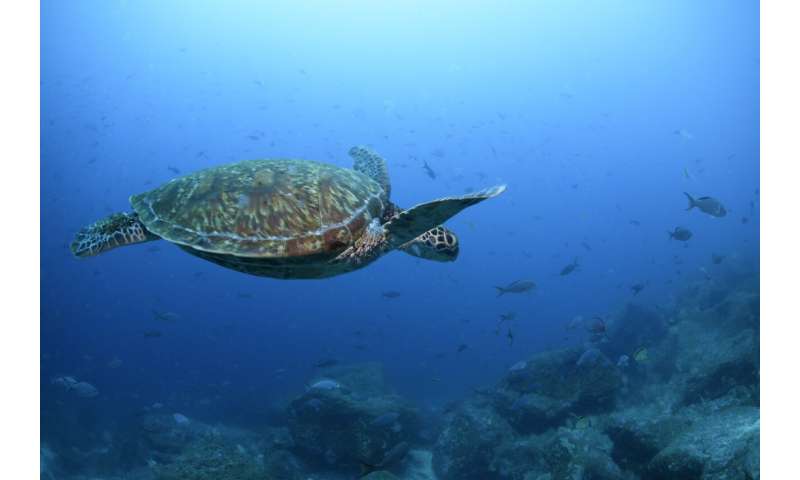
593	113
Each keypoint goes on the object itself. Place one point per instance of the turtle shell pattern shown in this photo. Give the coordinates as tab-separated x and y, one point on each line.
264	208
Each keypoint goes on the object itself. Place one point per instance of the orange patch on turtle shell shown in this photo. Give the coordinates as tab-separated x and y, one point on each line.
335	239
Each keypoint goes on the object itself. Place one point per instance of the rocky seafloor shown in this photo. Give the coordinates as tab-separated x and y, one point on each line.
686	407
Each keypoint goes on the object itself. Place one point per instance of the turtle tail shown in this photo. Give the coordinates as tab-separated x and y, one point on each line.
114	231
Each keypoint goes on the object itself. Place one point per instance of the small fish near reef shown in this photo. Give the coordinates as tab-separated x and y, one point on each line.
641	355
75	387
708	205
598	331
390	294
517	286
680	233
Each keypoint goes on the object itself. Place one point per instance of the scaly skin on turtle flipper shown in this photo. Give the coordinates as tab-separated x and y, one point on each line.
367	248
368	162
114	231
438	244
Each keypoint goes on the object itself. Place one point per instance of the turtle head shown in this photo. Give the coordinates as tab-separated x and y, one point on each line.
438	244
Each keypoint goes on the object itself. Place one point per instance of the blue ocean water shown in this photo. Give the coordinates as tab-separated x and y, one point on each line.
597	115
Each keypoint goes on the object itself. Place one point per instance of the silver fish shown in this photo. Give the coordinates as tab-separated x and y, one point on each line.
517	286
708	205
680	233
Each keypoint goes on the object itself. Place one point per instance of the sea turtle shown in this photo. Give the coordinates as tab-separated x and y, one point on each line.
284	218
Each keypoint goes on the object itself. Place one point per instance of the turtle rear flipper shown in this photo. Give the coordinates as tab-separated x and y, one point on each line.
114	231
415	221
366	161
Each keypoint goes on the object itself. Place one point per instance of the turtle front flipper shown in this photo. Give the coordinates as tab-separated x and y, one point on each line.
411	223
114	231
366	161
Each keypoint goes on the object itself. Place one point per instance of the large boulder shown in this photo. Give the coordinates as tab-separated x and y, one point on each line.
639	433
544	391
712	363
281	464
562	454
347	418
720	446
210	457
465	445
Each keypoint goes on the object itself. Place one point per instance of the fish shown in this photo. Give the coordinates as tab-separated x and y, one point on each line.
680	233
708	205
510	337
507	317
637	288
78	388
174	170
517	286
745	220
462	347
586	246
597	327
569	268
687	174
635	223
641	355
623	361
114	363
519	366
581	422
717	259
683	134
152	333
328	362
65	382
165	316
84	390
428	170
705	273
180	419
390	294
574	322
